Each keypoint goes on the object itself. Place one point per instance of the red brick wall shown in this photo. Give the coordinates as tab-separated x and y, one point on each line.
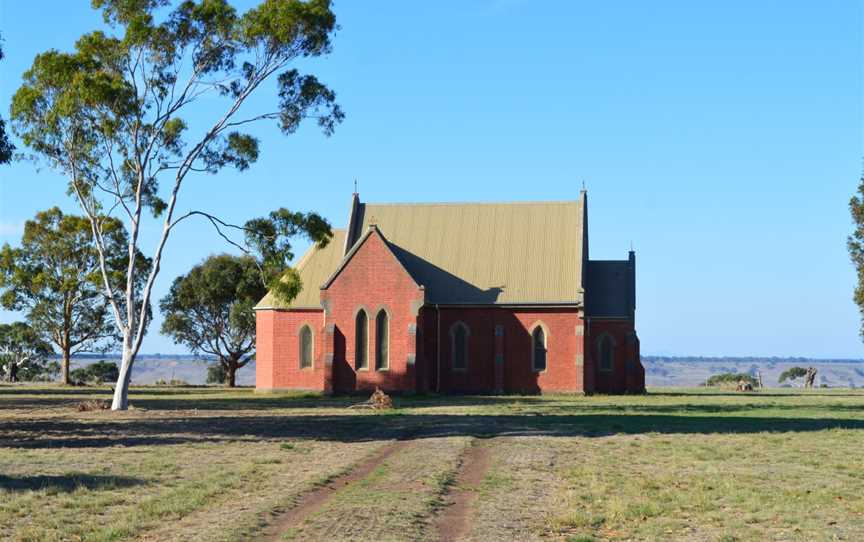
564	342
277	356
372	280
627	375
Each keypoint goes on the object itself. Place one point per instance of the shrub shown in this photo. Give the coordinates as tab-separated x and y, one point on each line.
216	373
730	379
96	373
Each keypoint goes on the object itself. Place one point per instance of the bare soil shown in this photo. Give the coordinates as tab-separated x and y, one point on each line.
453	521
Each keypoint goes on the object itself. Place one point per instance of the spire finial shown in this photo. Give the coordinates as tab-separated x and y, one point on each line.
583	185
355	186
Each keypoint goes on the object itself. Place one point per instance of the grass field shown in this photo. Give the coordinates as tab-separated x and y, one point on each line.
208	464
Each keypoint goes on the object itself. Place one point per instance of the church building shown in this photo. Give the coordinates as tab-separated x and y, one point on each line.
455	297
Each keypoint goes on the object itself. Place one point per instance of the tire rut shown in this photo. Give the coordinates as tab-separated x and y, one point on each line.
453	521
315	499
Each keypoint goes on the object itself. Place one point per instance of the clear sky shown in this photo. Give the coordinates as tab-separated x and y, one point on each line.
723	139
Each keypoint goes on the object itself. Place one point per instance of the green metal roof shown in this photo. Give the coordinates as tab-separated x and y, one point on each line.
524	253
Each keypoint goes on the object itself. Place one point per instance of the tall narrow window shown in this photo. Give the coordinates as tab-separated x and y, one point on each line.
538	340
305	347
459	346
361	340
382	340
606	356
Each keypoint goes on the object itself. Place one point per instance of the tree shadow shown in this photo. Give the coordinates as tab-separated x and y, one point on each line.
53	433
66	483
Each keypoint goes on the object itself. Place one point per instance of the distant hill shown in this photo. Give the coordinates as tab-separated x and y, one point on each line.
694	370
659	370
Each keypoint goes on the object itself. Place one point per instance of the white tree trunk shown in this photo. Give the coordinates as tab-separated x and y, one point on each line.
121	391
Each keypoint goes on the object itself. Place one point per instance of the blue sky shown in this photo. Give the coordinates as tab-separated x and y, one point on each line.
722	139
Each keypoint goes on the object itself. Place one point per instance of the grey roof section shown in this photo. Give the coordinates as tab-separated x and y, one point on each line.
611	291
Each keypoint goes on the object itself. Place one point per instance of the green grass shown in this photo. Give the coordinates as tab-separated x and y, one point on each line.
210	464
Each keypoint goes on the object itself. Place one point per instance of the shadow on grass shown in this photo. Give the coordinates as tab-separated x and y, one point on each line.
48	433
65	483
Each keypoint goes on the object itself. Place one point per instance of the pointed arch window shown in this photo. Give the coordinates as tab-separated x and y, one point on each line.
306	347
538	349
459	334
606	353
382	341
361	340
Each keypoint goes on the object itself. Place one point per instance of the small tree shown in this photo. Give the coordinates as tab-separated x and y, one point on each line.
54	277
792	374
23	354
210	310
122	113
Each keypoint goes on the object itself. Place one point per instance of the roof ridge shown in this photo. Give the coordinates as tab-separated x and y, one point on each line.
455	203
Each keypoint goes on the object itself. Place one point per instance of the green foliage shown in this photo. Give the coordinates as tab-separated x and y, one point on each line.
96	373
55	278
210	310
270	239
855	244
111	115
23	353
6	148
216	373
792	373
731	379
105	118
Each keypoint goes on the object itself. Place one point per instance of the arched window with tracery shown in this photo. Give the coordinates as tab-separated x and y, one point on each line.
382	340
606	353
306	347
459	346
538	349
361	340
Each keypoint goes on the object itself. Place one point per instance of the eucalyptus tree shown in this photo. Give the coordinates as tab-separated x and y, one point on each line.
23	353
855	245
122	117
55	279
6	148
210	310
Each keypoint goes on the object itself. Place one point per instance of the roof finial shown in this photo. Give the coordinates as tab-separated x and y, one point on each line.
583	185
632	249
355	186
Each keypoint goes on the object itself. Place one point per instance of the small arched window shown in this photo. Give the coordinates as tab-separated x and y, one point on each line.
382	340
305	347
361	340
606	353
538	349
459	346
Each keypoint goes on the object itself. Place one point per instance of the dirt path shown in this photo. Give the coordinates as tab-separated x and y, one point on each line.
310	502
453	522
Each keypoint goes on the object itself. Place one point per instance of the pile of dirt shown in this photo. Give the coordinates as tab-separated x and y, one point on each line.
92	405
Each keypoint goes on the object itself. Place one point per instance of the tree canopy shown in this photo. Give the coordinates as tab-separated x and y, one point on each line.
54	277
6	148
114	115
210	310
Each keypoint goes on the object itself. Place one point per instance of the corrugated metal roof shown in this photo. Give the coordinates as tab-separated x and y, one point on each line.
315	267
486	253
